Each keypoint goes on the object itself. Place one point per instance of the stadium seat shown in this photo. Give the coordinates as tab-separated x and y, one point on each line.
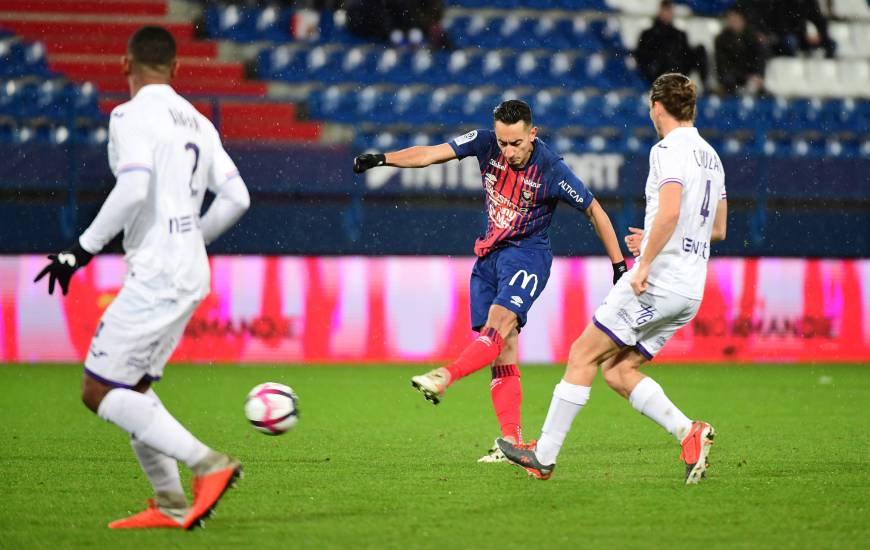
634	7
786	76
851	39
822	78
850	9
701	31
626	28
854	77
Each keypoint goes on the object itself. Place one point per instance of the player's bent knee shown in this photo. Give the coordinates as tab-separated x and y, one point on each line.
93	393
503	320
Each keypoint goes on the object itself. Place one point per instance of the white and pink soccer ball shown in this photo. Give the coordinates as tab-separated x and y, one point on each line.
271	408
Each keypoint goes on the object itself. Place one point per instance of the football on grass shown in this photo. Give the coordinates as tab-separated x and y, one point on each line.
271	408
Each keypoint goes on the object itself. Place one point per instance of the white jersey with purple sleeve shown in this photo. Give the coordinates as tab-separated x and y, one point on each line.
686	159
162	134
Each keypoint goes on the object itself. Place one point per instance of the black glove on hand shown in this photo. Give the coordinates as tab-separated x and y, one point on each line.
363	162
63	265
619	270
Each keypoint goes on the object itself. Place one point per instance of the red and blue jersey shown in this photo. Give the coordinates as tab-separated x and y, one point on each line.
520	203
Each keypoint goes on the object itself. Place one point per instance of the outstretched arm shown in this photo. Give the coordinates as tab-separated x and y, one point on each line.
420	156
412	157
604	229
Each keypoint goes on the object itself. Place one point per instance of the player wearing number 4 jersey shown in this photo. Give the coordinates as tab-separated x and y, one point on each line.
164	155
523	180
685	212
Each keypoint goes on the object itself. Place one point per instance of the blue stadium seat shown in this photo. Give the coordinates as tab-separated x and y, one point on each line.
283	63
324	64
446	105
247	24
549	107
358	63
374	104
333	103
465	67
19	58
478	103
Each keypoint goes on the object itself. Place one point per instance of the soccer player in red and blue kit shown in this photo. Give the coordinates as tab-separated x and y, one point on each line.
524	180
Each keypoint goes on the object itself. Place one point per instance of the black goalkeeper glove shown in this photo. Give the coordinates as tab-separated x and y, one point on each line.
63	265
363	162
619	270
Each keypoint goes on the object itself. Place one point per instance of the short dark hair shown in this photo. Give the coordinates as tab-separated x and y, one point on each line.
666	4
513	111
152	46
677	93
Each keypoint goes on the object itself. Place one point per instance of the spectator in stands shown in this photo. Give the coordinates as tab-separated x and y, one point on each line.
783	25
663	48
397	21
739	55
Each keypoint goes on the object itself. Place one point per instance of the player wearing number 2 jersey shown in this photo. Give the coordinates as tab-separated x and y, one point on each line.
164	155
685	212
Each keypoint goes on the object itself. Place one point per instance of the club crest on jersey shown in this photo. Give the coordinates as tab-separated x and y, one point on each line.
526	196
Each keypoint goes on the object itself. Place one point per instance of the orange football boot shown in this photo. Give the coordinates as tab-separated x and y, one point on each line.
210	486
696	448
150	518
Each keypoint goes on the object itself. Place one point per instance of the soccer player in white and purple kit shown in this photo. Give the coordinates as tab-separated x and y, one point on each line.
686	211
524	181
164	155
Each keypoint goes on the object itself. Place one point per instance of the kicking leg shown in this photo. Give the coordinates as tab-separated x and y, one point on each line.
479	354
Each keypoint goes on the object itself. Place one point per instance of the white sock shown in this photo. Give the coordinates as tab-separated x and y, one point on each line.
161	470
649	399
151	424
567	401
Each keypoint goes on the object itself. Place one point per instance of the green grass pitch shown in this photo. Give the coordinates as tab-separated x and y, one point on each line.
373	465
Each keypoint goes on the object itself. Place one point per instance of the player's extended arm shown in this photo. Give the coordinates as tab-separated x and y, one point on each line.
604	229
663	226
720	223
412	157
231	202
121	205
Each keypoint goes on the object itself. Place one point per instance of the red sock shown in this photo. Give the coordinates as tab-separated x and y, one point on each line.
507	396
480	353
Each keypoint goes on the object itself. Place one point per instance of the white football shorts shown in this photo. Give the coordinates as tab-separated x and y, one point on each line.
135	338
647	321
